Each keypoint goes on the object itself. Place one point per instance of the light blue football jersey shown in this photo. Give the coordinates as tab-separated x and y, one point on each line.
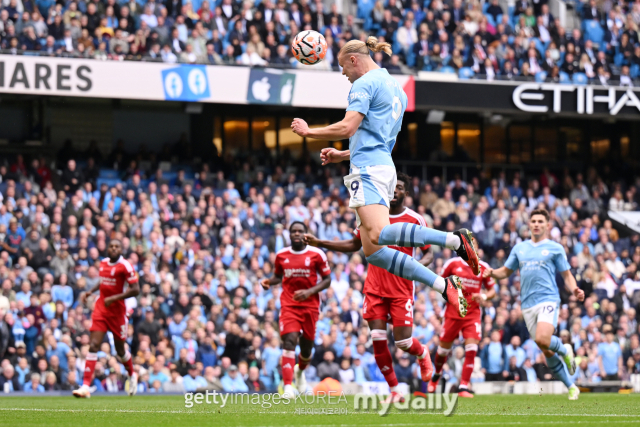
538	264
383	102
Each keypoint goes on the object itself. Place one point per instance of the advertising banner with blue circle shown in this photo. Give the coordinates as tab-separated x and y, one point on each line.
185	83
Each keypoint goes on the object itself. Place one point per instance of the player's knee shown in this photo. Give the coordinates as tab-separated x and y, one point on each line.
543	342
404	344
374	236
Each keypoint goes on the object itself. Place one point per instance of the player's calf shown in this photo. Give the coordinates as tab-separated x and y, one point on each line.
383	357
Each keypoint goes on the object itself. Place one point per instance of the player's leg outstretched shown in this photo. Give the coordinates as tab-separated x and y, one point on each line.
374	217
416	236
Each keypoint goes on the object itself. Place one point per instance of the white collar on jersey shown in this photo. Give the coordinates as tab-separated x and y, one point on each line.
109	262
399	215
299	252
539	243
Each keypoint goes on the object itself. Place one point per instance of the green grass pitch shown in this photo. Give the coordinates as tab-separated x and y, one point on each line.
165	410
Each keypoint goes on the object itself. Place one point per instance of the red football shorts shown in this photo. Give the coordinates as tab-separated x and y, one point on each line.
295	319
397	311
117	323
451	328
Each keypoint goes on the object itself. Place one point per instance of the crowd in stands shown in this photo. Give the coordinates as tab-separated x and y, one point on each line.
523	41
200	237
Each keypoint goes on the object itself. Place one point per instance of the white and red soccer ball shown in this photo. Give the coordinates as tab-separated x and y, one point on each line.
309	47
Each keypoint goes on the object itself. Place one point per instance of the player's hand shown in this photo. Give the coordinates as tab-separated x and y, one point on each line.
108	301
311	240
300	127
477	298
83	298
265	284
301	295
487	273
330	155
579	293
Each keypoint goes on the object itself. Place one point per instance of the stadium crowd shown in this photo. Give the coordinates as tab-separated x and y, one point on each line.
524	41
200	240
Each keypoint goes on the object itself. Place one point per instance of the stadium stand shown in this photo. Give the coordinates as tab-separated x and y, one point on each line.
480	40
201	236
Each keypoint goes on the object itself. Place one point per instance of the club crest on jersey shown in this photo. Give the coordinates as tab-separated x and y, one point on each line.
113	271
544	252
307	262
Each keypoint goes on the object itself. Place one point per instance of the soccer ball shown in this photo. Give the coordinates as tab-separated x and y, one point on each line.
309	47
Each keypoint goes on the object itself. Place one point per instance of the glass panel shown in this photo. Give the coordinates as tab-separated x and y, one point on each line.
217	134
573	137
236	134
469	140
624	146
259	127
600	148
447	133
495	149
412	137
520	137
546	144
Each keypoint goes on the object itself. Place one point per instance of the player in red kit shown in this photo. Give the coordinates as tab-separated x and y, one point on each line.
110	314
304	272
389	298
470	325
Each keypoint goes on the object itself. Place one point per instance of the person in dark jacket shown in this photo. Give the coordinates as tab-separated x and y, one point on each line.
9	380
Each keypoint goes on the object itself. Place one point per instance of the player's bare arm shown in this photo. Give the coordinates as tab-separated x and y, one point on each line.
132	291
427	257
344	129
331	155
481	298
498	273
85	295
571	285
303	294
267	283
352	245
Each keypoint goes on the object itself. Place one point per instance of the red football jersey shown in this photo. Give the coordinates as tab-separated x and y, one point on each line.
472	285
112	279
382	283
300	270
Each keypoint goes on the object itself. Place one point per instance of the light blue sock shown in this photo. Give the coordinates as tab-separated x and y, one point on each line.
557	346
559	370
411	235
407	267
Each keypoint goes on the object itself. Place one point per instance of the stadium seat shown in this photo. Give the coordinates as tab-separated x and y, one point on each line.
594	32
580	78
466	73
109	174
618	58
541	76
633	71
564	77
448	69
108	181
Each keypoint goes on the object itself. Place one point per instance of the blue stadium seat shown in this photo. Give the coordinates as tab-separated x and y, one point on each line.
580	78
109	174
618	58
490	20
541	76
634	70
564	77
594	32
499	19
448	70
110	182
465	73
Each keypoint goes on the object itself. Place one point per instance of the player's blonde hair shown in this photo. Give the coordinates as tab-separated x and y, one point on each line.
372	44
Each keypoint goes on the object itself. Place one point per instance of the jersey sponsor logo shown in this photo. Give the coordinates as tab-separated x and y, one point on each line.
297	272
356	95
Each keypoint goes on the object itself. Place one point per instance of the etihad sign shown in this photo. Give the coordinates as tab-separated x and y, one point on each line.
615	98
